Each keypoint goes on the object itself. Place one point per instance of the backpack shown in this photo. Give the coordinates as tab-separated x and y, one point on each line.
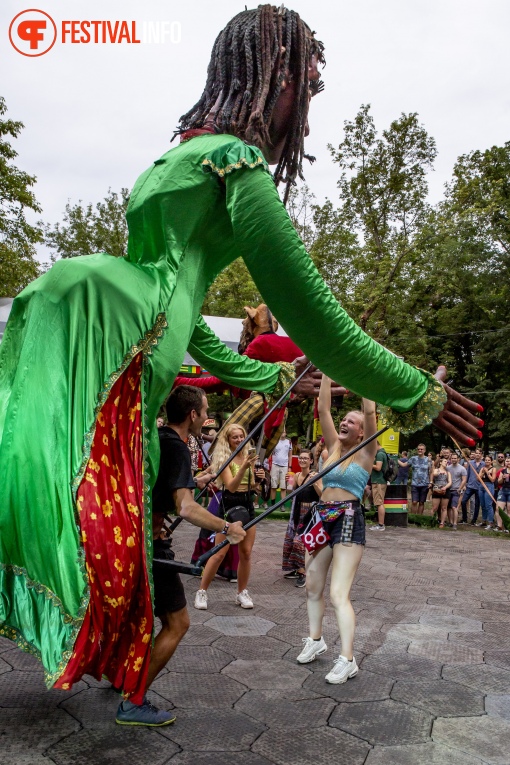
391	469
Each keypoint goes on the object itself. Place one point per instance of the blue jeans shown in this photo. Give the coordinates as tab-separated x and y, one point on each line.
400	481
486	503
465	499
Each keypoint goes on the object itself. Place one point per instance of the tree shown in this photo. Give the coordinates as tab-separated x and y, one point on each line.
383	192
232	289
88	229
17	237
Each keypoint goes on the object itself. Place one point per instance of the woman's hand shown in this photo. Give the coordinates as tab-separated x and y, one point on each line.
260	473
249	462
459	418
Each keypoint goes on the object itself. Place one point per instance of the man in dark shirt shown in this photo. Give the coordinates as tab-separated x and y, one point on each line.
173	493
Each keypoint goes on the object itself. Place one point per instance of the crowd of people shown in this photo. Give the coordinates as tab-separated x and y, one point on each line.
326	528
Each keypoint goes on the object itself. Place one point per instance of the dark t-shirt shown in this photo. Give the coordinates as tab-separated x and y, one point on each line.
403	472
174	471
378	475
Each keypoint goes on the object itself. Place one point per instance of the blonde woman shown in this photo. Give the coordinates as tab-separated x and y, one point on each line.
343	519
237	483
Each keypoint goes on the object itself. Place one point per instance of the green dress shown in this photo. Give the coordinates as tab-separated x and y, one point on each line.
73	333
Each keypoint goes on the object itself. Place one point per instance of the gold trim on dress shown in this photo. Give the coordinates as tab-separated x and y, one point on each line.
207	164
422	414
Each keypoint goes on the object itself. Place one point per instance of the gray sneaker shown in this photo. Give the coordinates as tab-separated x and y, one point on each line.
378	527
142	714
311	649
342	671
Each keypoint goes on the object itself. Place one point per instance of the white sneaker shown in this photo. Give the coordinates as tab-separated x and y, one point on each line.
311	649
342	670
201	600
244	600
377	527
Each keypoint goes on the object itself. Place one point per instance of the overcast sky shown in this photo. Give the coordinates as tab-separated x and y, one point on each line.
97	115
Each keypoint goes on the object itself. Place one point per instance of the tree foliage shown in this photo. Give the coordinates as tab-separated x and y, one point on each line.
87	229
17	236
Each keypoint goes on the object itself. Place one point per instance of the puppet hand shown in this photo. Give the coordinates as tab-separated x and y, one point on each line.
459	418
310	384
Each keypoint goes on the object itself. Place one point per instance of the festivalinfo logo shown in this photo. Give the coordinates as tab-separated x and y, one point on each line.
33	32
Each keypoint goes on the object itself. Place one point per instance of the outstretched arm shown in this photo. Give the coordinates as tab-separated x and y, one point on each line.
292	287
242	372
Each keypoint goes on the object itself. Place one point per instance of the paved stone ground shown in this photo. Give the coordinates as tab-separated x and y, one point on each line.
434	685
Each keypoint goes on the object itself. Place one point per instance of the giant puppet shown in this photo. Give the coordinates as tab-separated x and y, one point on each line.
259	340
92	347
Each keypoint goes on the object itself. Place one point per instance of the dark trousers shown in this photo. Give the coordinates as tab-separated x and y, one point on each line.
465	499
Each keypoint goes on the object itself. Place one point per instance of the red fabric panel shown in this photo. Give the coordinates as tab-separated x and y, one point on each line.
273	348
209	384
115	638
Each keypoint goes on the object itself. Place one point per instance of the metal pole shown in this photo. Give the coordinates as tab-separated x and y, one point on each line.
205	557
249	436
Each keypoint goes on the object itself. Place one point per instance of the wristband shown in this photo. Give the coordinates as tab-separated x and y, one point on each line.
225	529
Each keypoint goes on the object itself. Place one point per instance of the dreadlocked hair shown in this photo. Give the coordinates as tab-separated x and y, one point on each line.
249	61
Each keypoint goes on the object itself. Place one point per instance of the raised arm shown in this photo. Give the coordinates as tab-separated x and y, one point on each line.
324	405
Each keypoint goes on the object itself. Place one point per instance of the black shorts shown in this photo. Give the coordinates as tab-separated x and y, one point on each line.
168	590
236	499
334	528
437	495
419	493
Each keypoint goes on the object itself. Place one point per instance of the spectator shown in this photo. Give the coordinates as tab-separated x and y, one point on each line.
442	482
459	476
421	479
173	492
503	502
239	481
293	548
209	439
472	486
379	483
280	466
499	464
487	476
403	470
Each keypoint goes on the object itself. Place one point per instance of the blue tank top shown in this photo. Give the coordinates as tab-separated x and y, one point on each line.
353	479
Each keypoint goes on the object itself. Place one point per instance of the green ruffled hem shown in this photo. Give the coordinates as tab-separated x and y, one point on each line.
233	157
423	413
285	380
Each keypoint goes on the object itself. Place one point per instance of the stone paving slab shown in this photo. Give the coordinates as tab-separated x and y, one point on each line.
498	706
268	675
428	653
448	653
235	731
488	737
324	745
441	698
419	754
384	722
117	747
483	677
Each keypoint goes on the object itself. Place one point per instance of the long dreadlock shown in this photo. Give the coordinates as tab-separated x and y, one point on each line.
249	61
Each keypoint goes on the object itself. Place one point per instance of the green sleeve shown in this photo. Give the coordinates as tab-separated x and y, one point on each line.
229	366
292	287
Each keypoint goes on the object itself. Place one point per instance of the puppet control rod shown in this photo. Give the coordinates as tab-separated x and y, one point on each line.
249	436
196	570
